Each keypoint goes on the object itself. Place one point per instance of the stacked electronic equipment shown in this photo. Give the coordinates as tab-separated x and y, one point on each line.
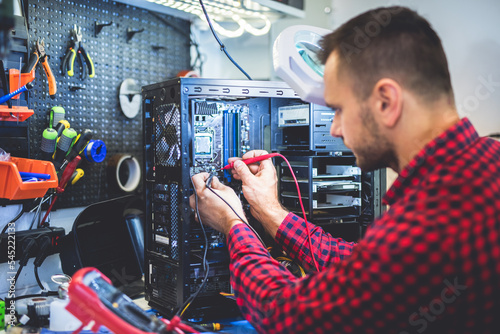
337	195
194	125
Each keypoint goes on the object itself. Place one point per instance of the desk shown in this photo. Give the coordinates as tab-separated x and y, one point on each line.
235	326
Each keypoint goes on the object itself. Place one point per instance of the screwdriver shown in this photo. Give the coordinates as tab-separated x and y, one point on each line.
57	114
77	175
252	160
214	326
67	174
61	125
80	143
49	139
64	145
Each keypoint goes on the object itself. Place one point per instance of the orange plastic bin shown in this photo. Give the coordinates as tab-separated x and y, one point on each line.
12	186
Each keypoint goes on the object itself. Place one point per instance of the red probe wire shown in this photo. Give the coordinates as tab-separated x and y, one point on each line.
271	155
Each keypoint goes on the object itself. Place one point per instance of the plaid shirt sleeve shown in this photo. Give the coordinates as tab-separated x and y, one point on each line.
374	290
292	237
430	264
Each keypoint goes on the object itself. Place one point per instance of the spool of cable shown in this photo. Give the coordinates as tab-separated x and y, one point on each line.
49	139
95	151
125	172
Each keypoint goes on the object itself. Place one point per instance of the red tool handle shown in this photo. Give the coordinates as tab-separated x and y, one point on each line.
68	172
253	160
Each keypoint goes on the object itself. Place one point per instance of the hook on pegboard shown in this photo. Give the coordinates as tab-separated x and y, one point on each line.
98	27
131	32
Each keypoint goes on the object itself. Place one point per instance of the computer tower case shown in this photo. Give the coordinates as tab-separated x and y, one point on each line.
194	125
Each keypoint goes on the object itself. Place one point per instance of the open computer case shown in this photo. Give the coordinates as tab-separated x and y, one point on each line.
194	125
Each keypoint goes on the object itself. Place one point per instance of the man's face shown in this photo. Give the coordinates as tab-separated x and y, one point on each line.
354	120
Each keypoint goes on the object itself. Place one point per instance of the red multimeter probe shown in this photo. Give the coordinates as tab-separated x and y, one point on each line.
253	160
272	155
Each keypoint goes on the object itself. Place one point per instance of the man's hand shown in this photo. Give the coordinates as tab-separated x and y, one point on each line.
260	189
213	211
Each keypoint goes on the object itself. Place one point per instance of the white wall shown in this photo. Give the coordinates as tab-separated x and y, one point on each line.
470	32
253	54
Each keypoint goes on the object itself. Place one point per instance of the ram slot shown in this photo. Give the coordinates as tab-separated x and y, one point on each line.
237	135
226	138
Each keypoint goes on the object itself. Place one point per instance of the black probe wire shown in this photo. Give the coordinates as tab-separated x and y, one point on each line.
239	217
206	265
222	46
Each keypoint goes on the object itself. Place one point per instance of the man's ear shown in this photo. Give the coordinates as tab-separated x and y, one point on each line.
387	99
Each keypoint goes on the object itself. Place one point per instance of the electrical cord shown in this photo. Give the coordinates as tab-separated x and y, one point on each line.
301	206
44	244
38	279
28	245
38	210
222	46
205	263
239	217
16	218
303	210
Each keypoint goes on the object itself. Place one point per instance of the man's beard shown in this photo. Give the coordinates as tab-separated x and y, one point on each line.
376	152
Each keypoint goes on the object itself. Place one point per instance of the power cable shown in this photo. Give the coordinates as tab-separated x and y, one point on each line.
222	46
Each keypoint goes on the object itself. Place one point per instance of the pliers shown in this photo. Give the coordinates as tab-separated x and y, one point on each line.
83	57
40	55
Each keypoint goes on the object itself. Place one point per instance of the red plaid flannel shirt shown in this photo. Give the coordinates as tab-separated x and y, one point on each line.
430	264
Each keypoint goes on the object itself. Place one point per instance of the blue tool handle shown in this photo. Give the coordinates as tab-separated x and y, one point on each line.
24	88
37	175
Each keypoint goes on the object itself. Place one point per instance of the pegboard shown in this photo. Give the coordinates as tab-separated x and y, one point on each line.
154	55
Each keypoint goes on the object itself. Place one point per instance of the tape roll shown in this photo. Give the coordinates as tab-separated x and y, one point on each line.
125	172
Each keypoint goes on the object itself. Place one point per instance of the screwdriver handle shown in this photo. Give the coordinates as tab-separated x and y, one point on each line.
68	172
252	160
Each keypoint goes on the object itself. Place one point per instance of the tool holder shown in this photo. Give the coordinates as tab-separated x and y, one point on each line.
12	186
94	103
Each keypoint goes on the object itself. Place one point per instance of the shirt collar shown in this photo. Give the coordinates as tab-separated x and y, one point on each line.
436	152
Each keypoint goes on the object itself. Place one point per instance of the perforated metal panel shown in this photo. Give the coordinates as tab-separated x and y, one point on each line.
168	131
156	54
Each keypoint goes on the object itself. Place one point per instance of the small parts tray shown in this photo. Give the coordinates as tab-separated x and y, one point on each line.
11	185
14	114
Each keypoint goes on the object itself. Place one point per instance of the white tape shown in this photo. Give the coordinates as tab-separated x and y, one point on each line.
134	172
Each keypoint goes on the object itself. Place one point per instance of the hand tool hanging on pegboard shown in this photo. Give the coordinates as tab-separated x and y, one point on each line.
40	55
76	46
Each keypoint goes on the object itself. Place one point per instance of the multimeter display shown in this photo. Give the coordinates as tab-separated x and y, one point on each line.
121	305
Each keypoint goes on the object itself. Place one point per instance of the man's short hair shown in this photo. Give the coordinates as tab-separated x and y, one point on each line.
390	42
